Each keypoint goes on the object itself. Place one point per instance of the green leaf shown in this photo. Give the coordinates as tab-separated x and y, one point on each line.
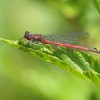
79	63
96	3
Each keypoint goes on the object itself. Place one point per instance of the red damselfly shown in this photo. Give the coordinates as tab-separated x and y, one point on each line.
60	40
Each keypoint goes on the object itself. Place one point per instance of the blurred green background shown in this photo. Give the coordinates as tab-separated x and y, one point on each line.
24	77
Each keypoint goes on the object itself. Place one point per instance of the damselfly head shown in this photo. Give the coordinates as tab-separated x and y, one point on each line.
27	35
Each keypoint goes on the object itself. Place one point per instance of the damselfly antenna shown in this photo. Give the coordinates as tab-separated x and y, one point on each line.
26	35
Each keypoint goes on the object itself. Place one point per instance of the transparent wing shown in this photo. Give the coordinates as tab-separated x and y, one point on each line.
72	38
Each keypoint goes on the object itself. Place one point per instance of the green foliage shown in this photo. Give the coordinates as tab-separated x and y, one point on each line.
78	62
97	5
